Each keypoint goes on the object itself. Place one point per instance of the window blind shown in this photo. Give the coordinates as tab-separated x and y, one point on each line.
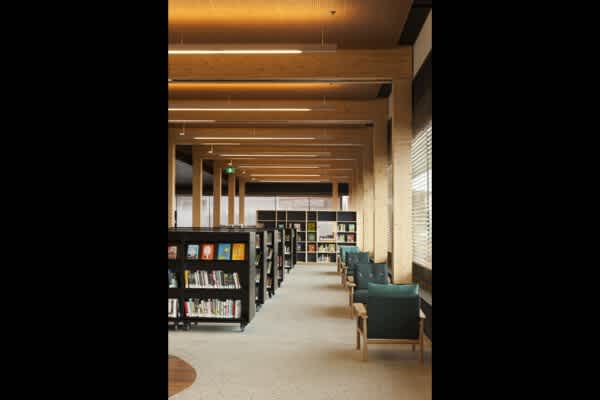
421	196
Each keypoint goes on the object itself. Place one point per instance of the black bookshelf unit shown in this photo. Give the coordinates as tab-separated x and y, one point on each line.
272	252
213	290
318	234
261	268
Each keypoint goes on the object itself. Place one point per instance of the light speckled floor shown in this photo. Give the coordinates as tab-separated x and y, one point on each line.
300	345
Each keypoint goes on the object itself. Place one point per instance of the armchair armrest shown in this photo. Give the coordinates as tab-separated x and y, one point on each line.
360	310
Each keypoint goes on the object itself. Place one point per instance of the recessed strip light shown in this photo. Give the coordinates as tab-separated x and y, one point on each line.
238	109
252	138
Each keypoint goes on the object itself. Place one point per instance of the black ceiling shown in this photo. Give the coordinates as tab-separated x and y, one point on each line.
416	18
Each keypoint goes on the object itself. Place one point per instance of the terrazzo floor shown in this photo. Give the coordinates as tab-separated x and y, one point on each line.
300	345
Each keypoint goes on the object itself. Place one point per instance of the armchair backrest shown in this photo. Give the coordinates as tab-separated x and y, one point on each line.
366	273
352	259
393	311
343	249
348	250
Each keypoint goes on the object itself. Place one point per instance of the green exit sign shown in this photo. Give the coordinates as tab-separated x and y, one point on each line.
229	170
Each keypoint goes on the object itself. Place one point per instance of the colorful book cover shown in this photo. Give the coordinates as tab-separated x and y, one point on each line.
192	251
311	227
350	227
172	252
208	251
312	247
312	236
224	251
351	238
238	251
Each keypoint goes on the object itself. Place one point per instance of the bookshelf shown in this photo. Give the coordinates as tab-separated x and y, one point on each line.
318	233
272	252
289	249
212	290
261	268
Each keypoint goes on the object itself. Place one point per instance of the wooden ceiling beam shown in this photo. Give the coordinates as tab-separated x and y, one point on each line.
371	64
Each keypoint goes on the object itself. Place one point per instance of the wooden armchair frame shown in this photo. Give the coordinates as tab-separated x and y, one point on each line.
361	330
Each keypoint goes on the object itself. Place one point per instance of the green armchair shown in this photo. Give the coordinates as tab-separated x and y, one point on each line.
352	259
394	317
365	274
345	249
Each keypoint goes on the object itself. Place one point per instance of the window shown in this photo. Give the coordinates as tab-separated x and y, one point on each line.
421	196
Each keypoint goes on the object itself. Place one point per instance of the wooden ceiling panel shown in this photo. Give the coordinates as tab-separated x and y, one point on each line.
356	23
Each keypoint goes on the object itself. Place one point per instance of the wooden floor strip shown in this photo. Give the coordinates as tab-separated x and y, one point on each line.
181	375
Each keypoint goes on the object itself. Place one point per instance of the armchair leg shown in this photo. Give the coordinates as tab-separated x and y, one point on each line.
421	340
357	339
364	344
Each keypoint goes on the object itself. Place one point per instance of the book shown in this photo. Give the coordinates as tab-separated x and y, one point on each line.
311	237
341	227
172	252
311	227
350	227
192	251
208	251
350	238
224	251
312	247
238	251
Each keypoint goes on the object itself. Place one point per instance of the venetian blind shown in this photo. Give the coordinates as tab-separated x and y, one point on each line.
421	196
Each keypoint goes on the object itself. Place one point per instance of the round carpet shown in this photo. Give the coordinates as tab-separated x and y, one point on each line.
181	375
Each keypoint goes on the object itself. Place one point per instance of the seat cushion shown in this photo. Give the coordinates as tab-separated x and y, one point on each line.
361	296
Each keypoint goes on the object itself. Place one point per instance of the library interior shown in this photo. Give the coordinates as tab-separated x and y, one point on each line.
300	199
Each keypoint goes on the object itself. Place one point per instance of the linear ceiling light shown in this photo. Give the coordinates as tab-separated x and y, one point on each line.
281	166
288	181
238	109
192	120
268	155
218	144
249	51
285	175
190	49
253	138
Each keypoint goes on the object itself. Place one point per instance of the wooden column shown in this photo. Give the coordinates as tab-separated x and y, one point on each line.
231	199
335	197
196	190
350	194
381	183
402	196
217	187
368	227
171	182
242	198
358	206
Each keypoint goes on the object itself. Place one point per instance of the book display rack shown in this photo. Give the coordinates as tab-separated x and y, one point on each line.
317	233
212	276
